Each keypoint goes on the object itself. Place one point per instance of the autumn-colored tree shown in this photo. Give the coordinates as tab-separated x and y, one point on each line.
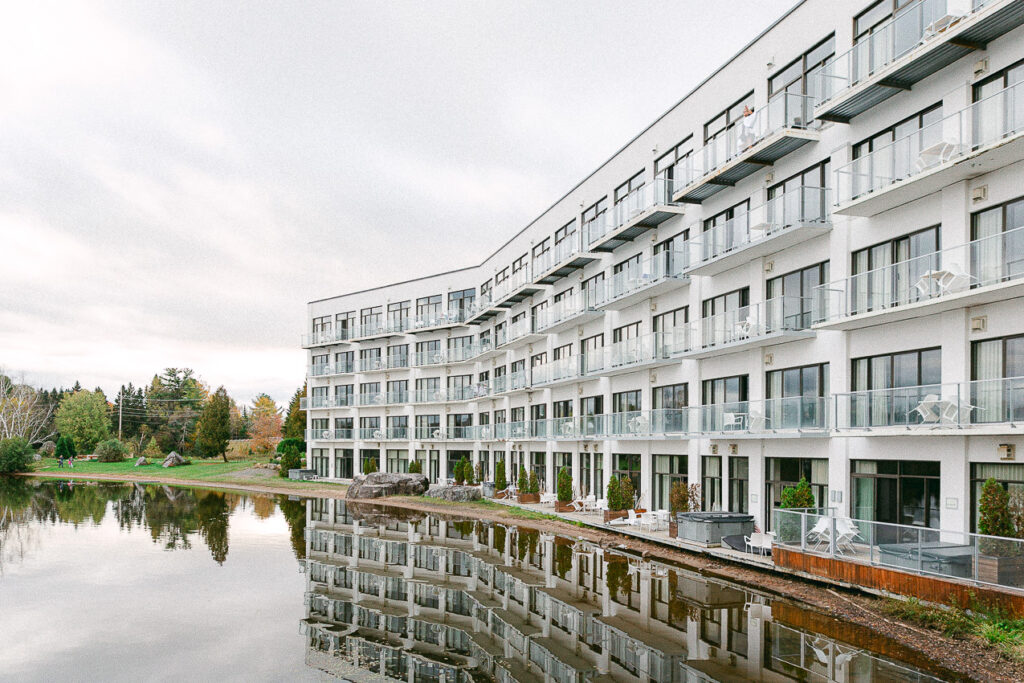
266	424
295	420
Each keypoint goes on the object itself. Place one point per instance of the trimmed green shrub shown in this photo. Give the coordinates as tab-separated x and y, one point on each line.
459	475
370	466
467	472
564	485
15	455
65	447
534	484
500	482
524	480
111	450
291	459
683	498
612	496
284	444
799	496
415	467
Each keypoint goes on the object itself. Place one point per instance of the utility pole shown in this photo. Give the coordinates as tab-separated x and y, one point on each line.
120	411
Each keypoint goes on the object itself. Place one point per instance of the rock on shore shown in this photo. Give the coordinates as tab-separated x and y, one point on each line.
457	494
380	484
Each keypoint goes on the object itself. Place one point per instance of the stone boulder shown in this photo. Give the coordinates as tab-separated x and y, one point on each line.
456	494
174	460
380	484
141	461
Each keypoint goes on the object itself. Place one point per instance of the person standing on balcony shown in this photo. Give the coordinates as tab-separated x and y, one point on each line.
747	128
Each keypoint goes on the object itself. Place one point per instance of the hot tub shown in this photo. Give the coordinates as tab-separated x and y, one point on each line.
708	528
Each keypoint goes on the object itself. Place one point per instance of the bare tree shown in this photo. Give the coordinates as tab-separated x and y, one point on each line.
24	412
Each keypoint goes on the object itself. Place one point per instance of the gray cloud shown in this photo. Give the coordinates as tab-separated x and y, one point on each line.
180	178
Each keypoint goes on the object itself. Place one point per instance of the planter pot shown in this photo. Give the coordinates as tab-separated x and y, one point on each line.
609	515
673	528
529	497
1005	571
500	495
563	507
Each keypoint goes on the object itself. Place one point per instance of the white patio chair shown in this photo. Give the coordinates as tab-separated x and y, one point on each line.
927	409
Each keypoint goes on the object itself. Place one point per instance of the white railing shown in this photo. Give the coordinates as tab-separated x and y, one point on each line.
514	331
783	111
557	254
800	206
796	413
986	122
638	276
983	262
511	284
911	27
564	309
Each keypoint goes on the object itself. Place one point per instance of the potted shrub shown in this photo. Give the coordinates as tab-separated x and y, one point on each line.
459	475
613	499
415	467
797	497
564	491
500	482
528	488
467	472
999	561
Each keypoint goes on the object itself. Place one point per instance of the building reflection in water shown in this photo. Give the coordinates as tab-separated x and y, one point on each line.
414	597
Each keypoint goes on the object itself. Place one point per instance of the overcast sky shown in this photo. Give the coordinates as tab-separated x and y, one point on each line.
178	179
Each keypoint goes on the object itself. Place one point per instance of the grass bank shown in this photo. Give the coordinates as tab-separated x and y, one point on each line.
984	622
231	474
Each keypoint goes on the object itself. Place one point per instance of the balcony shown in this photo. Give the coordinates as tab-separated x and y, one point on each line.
992	406
329	434
647	424
561	371
449	433
643	280
380	330
519	331
921	39
324	337
978	139
651	350
376	398
514	381
770	133
983	271
795	416
320	402
397	397
371	365
560	261
790	218
567	313
774	321
438	320
641	210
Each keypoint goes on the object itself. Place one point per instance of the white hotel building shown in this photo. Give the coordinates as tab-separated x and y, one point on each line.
828	287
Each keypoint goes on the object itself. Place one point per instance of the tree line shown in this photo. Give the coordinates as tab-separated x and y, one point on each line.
176	411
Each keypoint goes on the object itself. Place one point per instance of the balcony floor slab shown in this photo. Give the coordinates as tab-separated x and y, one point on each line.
637	225
776	242
750	343
989	158
661	286
919	309
564	269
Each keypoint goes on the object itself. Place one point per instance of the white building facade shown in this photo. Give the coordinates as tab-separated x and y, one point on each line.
812	266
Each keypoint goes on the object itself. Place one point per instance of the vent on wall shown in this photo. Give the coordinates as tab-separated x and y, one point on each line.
1007	451
979	323
979	194
981	67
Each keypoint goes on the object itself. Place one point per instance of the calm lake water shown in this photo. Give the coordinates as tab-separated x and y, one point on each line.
106	581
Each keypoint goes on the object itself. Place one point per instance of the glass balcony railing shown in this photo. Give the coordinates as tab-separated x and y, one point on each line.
783	111
396	362
637	203
469	392
781	314
371	364
435	432
421	358
326	336
371	433
315	402
439	395
983	262
557	254
397	397
977	403
648	348
910	28
329	434
562	310
556	370
796	413
510	382
647	423
987	122
381	328
514	331
804	205
371	399
320	369
438	319
511	284
638	276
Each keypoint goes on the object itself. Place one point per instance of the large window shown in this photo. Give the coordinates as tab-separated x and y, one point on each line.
888	389
628	193
725	230
801	198
898	492
593	290
668	469
398	315
716	127
893	153
343	463
739	484
892	273
669	403
722	314
429	307
711	482
796	397
997	368
565	239
728	395
998	252
791	297
593	220
1009	475
668	169
370	319
627	465
461	301
782	473
802	76
626	401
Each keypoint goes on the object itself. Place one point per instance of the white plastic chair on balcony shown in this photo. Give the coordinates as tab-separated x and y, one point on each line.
567	429
378	434
748	327
732	420
640	424
756	421
379	399
928	409
630	520
438	433
437	357
326	434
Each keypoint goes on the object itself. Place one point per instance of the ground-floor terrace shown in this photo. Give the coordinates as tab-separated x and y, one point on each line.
928	478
